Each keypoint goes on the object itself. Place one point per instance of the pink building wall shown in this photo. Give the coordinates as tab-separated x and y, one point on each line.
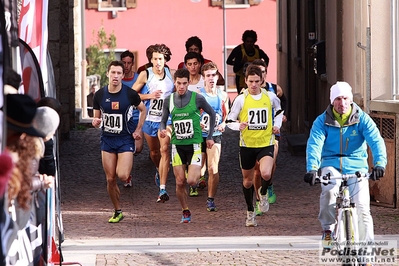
172	22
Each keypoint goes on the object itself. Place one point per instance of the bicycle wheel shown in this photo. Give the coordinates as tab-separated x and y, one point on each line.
348	226
349	260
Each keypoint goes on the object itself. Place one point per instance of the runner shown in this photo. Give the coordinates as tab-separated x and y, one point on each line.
154	85
184	107
242	56
194	44
253	109
113	106
218	100
127	57
276	89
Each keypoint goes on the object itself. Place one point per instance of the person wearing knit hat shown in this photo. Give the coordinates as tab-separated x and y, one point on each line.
47	164
46	121
337	145
341	88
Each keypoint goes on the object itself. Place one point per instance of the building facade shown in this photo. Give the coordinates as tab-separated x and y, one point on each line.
137	24
323	41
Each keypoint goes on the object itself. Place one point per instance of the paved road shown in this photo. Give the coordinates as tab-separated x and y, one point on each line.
86	208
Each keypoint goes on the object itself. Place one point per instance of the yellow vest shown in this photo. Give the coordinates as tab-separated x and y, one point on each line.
258	114
242	70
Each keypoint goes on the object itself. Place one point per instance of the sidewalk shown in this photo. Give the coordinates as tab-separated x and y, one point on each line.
220	236
266	250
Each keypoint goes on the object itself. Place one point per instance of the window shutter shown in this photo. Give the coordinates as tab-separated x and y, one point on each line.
92	4
131	3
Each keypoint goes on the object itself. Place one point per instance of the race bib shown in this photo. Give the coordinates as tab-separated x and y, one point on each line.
257	118
113	123
156	107
184	129
206	121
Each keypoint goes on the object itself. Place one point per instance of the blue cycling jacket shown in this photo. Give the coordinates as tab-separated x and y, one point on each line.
344	147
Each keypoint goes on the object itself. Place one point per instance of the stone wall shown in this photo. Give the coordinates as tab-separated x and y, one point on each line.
61	48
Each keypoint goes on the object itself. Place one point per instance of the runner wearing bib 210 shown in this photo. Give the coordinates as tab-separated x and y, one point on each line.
253	110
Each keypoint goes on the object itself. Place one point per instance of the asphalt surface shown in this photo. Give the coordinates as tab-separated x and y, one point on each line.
86	209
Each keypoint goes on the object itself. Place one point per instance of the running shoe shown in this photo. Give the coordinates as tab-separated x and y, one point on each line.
202	182
210	206
271	194
257	210
327	239
193	192
251	221
128	182
186	217
157	179
116	218
163	196
264	202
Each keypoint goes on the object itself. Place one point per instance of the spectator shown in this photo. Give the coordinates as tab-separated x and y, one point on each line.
90	97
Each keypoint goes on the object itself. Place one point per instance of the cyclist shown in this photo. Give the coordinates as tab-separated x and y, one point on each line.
337	145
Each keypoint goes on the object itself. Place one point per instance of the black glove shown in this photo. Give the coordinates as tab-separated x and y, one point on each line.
310	177
377	173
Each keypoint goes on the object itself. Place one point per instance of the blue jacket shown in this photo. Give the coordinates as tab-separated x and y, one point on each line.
344	148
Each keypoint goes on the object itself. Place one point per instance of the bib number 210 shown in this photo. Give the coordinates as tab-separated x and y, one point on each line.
257	118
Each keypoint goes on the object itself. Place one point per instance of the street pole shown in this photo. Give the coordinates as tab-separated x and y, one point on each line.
224	47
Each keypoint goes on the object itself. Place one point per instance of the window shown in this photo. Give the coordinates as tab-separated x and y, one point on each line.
110	5
235	3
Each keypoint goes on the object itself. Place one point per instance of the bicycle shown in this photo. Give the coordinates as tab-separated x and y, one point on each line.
346	233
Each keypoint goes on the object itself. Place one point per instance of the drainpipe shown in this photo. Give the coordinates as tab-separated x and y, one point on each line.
394	41
84	62
339	41
367	49
224	47
368	59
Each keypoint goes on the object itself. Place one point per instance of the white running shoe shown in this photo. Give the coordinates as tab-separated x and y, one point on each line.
128	182
264	201
251	221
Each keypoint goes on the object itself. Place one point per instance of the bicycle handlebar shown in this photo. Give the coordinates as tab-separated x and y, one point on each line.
328	177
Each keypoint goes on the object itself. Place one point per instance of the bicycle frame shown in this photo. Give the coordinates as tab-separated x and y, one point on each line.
346	231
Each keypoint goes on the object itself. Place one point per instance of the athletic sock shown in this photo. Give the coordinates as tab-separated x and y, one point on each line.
248	195
265	185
